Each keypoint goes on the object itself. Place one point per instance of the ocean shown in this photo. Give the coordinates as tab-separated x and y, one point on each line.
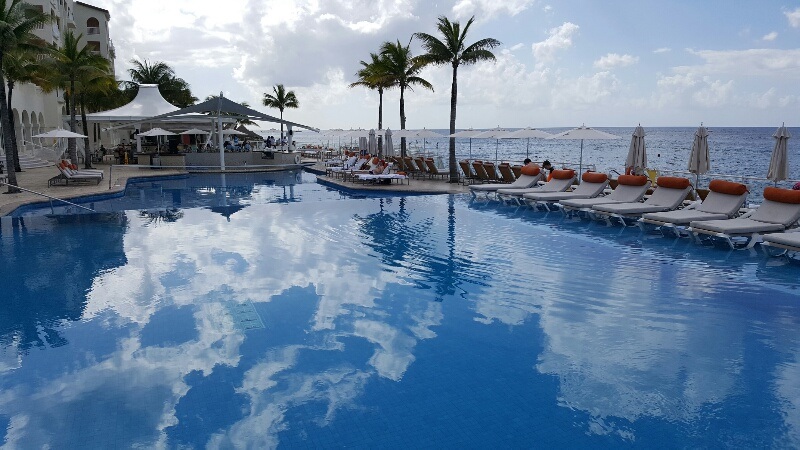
734	151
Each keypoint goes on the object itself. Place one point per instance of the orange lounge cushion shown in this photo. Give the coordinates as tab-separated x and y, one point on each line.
565	174
782	195
673	182
594	177
632	180
727	187
530	169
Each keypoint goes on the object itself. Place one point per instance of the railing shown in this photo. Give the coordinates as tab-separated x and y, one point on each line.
92	30
3	183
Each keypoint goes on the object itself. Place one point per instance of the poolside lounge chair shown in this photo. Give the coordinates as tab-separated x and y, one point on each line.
434	171
779	211
592	185
480	171
65	164
528	178
630	188
560	182
723	201
516	170
787	242
466	169
421	167
505	172
669	195
68	175
491	171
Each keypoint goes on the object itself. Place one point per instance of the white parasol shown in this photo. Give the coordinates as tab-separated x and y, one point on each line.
60	133
527	133
583	133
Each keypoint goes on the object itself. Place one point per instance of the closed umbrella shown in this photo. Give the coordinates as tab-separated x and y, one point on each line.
389	146
699	162
637	155
527	133
779	162
583	133
372	143
362	144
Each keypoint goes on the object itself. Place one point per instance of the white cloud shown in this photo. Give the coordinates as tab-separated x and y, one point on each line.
614	60
793	17
754	62
662	50
770	36
560	38
487	9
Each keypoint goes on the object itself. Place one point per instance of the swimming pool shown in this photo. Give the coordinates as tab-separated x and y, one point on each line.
278	312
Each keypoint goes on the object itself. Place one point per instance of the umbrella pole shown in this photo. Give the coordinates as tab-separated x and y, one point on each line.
528	149
470	149
496	149
580	161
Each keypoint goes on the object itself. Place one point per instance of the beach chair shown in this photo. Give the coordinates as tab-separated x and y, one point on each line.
466	170
528	178
560	182
69	176
669	195
724	200
491	171
630	188
75	170
410	167
516	170
779	211
505	173
434	171
592	185
480	171
783	242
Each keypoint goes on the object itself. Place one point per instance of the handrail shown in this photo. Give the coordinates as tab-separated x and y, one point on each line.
48	196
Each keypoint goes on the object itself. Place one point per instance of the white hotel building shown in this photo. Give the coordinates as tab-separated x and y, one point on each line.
34	111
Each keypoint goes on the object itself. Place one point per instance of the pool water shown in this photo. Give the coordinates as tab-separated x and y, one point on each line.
270	311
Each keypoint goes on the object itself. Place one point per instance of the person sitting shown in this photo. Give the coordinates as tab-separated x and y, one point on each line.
247	147
227	146
548	169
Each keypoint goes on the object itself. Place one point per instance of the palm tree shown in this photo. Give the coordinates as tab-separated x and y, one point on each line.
17	21
281	99
71	63
401	71
454	51
93	88
175	90
372	75
21	66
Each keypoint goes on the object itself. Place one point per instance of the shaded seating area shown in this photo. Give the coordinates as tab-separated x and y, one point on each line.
724	200
779	211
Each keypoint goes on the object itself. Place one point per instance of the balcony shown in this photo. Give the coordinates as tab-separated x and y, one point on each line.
92	31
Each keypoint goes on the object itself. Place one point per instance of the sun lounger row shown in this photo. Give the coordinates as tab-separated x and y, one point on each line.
69	174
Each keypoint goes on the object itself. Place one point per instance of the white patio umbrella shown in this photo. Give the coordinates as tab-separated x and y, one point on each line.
466	134
779	162
158	132
425	134
59	133
637	154
194	131
496	133
527	133
372	143
583	133
699	162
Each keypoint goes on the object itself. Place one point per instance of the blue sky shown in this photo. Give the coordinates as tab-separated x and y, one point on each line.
562	63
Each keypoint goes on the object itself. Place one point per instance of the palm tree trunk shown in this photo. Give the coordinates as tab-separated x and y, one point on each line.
380	119
453	99
87	160
72	143
6	125
280	142
14	149
402	120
